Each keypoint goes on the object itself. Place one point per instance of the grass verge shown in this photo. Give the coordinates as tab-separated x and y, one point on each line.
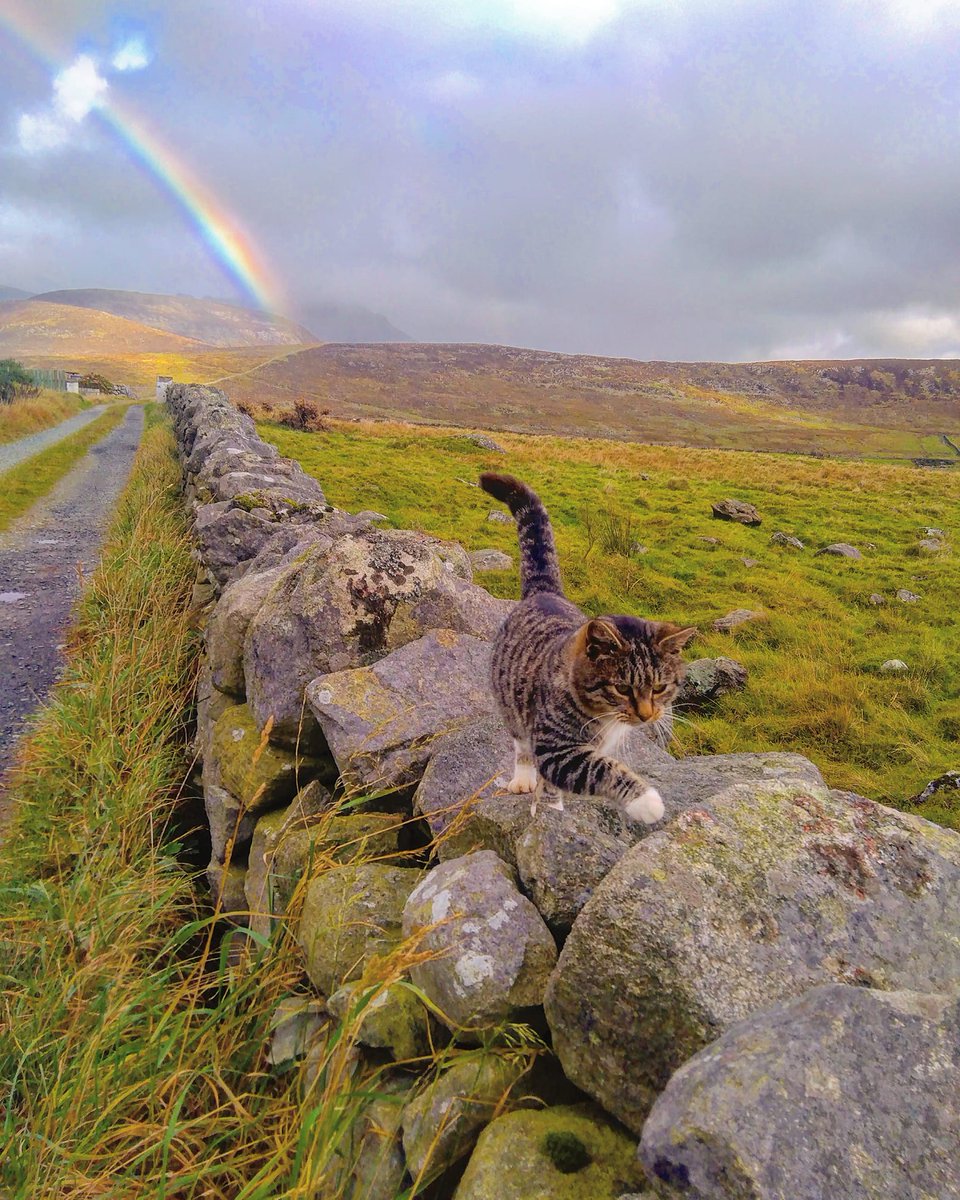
24	484
133	1035
25	416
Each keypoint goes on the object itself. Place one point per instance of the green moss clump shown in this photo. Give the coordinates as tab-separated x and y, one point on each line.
565	1150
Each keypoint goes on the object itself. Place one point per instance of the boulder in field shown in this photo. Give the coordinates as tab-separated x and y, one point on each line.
845	1092
736	510
708	679
905	596
381	722
786	539
562	1153
894	666
947	784
490	560
767	891
840	550
733	620
493	951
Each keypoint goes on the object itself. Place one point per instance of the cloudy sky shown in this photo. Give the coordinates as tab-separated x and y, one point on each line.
651	178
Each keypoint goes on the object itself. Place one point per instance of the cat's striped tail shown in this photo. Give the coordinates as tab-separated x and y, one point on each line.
539	570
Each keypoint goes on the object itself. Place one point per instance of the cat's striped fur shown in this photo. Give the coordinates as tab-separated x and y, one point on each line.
570	688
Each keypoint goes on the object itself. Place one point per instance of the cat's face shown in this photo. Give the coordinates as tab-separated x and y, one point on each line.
628	669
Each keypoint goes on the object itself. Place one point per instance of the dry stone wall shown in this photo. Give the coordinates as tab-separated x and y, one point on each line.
753	940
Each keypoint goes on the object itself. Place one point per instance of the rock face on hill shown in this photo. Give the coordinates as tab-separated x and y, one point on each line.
761	989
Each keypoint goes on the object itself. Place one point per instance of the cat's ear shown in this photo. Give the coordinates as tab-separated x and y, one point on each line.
602	639
671	639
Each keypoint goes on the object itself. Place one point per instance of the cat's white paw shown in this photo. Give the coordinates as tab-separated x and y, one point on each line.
524	780
647	807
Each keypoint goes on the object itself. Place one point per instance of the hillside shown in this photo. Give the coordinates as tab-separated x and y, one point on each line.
36	327
332	322
12	293
895	408
213	322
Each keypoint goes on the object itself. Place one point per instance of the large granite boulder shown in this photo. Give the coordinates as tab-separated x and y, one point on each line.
847	1093
765	892
736	510
260	775
344	607
442	1123
380	722
570	1152
349	914
493	953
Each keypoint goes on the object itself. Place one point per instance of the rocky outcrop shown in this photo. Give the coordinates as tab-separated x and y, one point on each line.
846	1092
736	510
759	896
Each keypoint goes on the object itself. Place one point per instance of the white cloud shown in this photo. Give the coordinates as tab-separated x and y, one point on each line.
132	56
77	90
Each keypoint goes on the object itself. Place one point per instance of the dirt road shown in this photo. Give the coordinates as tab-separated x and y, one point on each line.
42	557
19	451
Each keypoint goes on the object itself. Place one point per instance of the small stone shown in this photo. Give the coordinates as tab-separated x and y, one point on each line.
484	442
905	596
500	517
840	550
559	1153
295	1024
349	914
736	510
929	546
490	560
707	679
934	533
739	616
493	951
877	599
947	783
444	1121
710	541
786	539
894	665
749	562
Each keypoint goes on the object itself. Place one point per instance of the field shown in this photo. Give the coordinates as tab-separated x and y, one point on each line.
814	658
878	409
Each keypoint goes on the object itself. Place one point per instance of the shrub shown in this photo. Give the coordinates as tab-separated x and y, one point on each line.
15	380
305	415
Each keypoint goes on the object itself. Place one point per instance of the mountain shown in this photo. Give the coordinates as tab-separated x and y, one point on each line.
332	322
896	407
12	293
37	327
211	321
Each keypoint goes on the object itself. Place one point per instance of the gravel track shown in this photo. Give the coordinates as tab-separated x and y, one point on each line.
26	447
43	557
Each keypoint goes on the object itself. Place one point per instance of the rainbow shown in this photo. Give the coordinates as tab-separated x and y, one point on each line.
229	244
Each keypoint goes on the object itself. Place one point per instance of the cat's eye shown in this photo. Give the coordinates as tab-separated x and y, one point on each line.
624	689
659	689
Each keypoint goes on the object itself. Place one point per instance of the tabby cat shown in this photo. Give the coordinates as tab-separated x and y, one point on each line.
570	688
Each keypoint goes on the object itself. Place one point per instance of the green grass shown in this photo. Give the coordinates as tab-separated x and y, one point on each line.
814	661
31	414
23	485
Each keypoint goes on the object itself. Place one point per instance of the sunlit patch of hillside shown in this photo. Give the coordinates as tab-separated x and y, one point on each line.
140	370
815	680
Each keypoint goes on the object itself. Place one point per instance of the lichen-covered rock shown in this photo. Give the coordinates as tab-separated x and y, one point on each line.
231	827
847	1093
393	1019
490	560
211	705
376	1168
337	838
271	829
380	722
733	620
228	537
786	539
349	914
769	890
226	891
294	1026
494	953
708	679
570	1152
227	627
948	783
736	510
840	550
345	606
443	1122
261	776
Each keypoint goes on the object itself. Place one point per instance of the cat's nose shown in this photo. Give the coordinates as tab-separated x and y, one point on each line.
645	710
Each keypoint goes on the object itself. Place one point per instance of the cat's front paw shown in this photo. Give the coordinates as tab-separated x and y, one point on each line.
647	807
